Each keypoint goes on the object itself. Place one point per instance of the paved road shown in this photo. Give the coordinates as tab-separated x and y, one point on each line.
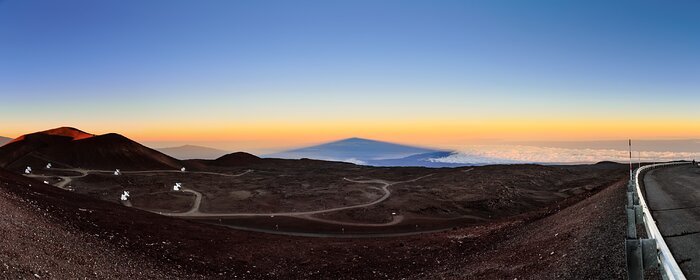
673	195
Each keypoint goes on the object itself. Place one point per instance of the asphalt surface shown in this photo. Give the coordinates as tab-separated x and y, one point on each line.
673	195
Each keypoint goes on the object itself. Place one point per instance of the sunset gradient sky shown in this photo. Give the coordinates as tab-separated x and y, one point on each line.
262	75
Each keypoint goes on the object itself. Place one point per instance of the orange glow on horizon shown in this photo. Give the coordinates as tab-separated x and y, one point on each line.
419	132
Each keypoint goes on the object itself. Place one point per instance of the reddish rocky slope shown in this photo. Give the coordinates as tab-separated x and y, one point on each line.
70	147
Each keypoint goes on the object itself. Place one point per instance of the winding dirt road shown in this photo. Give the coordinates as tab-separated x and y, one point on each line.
194	211
65	180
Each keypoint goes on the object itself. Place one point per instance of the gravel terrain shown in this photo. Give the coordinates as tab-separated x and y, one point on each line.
36	245
52	233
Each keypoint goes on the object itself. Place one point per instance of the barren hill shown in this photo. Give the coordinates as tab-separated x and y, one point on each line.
236	159
70	147
4	140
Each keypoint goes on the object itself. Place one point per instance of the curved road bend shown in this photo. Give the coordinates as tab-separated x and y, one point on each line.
194	212
673	196
65	180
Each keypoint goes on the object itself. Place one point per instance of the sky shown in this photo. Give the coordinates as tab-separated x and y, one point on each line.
265	75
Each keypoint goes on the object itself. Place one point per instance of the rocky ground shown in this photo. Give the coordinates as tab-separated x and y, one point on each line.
56	234
442	198
36	244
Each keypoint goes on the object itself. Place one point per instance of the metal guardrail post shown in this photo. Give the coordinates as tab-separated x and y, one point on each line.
635	261
630	199
631	224
633	249
638	214
641	255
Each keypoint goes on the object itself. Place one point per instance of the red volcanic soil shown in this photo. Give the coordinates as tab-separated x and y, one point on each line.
59	234
68	132
69	147
26	144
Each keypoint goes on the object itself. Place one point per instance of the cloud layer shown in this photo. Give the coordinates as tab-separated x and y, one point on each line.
488	154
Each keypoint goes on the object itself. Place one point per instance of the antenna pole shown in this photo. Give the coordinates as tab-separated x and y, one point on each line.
630	147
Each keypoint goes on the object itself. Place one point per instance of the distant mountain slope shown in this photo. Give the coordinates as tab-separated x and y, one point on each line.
192	152
424	160
356	150
70	147
4	140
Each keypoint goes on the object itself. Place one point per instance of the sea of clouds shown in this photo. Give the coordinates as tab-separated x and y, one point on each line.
504	154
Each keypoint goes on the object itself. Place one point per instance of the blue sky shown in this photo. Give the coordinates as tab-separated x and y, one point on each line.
136	66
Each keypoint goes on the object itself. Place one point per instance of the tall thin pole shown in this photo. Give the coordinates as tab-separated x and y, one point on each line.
630	146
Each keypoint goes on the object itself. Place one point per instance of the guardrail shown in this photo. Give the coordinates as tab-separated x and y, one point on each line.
647	253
